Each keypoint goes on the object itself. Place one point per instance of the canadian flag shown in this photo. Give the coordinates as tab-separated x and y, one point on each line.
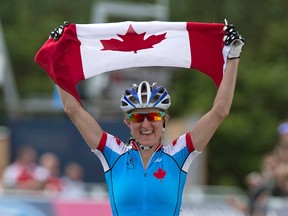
86	50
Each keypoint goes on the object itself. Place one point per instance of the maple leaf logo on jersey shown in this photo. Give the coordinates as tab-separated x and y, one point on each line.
160	174
132	41
118	141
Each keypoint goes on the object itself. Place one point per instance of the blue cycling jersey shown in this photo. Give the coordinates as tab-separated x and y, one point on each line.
156	190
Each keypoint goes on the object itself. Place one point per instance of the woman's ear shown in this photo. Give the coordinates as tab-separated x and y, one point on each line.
166	117
126	121
165	120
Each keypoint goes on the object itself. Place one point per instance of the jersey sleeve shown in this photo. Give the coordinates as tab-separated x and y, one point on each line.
183	151
109	150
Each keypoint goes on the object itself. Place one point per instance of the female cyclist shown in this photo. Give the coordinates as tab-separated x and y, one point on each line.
145	177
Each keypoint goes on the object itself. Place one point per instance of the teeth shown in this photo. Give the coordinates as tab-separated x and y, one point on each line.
146	132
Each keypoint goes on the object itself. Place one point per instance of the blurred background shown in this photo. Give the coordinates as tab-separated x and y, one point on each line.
31	113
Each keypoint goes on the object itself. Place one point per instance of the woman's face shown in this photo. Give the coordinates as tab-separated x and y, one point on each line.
147	133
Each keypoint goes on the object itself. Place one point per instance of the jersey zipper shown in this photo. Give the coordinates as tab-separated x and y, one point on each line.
145	169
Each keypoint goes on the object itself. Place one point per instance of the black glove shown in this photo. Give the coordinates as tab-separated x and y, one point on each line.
55	35
233	38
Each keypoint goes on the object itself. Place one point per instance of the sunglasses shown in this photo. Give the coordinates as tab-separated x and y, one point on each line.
151	116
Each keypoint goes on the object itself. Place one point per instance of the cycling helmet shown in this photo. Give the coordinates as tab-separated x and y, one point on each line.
145	95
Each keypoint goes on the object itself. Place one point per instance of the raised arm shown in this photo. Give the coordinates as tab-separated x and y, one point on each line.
208	124
85	123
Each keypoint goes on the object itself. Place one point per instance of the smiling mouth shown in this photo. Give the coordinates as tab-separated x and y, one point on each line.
146	132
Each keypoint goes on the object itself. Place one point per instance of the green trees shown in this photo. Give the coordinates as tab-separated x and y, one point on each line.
26	26
261	96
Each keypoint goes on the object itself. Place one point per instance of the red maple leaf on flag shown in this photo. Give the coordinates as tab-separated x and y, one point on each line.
132	41
160	174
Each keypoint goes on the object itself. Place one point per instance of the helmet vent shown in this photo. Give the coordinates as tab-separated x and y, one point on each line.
123	103
162	90
127	92
133	99
166	101
144	93
155	98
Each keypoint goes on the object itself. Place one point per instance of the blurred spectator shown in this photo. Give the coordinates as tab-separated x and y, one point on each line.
272	179
73	184
281	171
24	173
281	152
261	185
50	162
283	133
